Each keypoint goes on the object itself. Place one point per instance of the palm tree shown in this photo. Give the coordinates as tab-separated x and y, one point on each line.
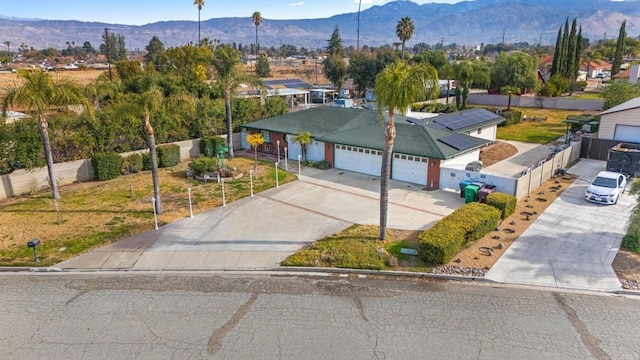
303	138
229	74
397	87
404	30
257	20
38	92
8	45
358	34
200	4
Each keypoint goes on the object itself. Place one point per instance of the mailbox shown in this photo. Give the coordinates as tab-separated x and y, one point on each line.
33	243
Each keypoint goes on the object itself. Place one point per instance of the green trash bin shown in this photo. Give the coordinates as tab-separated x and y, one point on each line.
471	193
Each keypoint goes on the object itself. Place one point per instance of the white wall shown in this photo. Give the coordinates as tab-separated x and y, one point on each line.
294	148
608	122
461	161
450	179
315	151
487	133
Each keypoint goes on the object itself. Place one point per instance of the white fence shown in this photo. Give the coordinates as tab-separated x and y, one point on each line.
521	186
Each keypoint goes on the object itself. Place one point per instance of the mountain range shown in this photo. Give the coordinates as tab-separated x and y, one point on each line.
466	22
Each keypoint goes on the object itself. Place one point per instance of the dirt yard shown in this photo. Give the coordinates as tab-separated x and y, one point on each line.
495	152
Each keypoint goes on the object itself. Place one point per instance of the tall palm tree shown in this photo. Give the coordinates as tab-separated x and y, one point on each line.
404	31
8	45
200	5
38	92
257	20
358	34
229	73
397	87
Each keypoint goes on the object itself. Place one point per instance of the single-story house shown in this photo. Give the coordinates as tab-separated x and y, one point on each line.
621	122
353	139
475	122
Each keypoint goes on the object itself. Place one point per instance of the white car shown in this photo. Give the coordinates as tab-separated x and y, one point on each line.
606	187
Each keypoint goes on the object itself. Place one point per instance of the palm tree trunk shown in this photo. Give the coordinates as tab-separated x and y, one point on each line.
154	163
198	27
402	49
385	172
255	156
44	133
257	46
509	103
227	110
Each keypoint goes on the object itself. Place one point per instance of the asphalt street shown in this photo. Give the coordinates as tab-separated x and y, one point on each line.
205	316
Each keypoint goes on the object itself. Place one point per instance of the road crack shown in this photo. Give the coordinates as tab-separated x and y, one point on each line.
216	339
591	342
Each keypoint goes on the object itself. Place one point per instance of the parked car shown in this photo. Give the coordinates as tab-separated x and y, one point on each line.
606	187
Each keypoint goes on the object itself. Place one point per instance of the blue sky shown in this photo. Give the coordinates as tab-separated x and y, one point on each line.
139	12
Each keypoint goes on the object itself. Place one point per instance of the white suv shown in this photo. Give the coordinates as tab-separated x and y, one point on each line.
606	187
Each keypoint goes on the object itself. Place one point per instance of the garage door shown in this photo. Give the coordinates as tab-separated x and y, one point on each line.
358	159
627	133
408	168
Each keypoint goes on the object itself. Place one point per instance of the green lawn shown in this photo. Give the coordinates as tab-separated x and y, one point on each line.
542	132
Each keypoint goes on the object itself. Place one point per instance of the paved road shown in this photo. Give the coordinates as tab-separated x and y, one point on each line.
572	244
259	232
194	316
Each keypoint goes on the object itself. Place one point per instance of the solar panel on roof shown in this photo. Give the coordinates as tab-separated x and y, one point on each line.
458	141
458	121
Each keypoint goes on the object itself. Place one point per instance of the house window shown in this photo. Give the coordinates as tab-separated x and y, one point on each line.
403	157
360	150
349	148
423	160
266	135
366	151
396	156
410	158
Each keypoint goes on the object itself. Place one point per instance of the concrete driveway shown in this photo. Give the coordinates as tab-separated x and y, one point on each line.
527	155
260	232
572	244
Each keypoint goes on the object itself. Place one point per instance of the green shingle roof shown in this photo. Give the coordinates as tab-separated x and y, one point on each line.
363	128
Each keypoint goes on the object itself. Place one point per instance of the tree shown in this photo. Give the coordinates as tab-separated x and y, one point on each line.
618	92
617	58
38	93
155	51
437	59
257	20
255	140
509	90
229	74
200	5
362	69
590	56
517	69
404	31
263	69
303	138
335	69
397	87
8	45
334	46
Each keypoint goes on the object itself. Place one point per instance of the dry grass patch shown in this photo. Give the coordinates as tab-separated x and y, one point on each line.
96	213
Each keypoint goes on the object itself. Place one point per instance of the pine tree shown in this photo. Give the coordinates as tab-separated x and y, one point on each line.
555	66
617	58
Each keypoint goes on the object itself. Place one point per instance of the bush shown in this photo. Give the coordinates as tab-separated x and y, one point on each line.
168	155
470	222
203	164
511	117
132	164
209	145
146	161
504	202
322	164
106	166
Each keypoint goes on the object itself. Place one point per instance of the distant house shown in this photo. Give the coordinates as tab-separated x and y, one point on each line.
594	68
13	116
353	139
621	122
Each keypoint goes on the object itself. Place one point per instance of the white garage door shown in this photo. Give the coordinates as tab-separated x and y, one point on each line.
358	159
627	133
409	168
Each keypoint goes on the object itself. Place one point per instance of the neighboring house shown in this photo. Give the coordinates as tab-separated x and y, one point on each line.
13	116
353	139
621	122
477	122
632	74
594	68
295	91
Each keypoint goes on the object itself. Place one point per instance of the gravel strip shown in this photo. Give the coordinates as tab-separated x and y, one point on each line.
631	284
459	270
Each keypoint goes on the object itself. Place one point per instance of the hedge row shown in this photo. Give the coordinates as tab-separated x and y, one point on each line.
110	165
470	222
504	202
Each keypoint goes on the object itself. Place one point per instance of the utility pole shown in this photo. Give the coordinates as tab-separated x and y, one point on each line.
358	35
442	43
503	30
540	41
106	38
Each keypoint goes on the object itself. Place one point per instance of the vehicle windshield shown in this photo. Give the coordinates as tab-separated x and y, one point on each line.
605	182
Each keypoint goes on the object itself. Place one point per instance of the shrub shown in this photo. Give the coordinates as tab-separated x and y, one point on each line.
146	161
132	164
322	164
168	155
468	223
504	202
106	166
203	164
511	117
209	145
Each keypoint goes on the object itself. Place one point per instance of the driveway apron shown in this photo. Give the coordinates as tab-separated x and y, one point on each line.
572	244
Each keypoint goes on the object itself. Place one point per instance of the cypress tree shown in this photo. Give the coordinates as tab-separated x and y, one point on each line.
571	53
564	51
576	60
557	54
617	58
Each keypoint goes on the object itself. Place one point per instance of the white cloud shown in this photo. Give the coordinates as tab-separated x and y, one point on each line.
299	3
